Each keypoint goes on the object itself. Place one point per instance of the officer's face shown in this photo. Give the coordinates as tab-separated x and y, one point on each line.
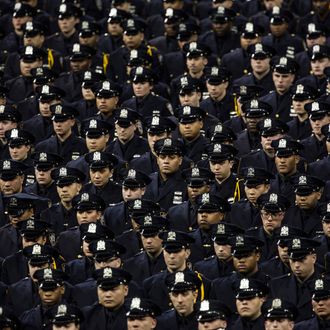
217	91
100	177
106	105
267	140
212	325
322	308
286	165
321	40
36	41
281	324
308	202
67	326
283	81
18	22
251	123
318	123
221	169
152	244
303	268
88	216
190	131
80	65
260	66
115	29
248	263
85	248
129	193
298	107
8	187
326	227
193	191
271	220
44	107
246	42
176	261
207	219
67	25
190	98
97	144
69	191
19	153
6	125
38	240
43	177
183	302
111	262
320	5
254	192
87	94
278	30
270	4
223	252
125	134
113	298
153	138
170	29
27	66
220	29
249	308
133	41
141	323
63	128
283	253
141	89
34	268
319	65
168	164
196	65
51	297
89	41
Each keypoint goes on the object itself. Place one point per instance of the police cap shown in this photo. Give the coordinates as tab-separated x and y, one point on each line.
88	29
61	113
94	231
45	160
9	112
242	245
95	128
109	278
31	54
43	75
210	202
142	74
197	176
304	184
126	117
279	16
175	241
80	52
256	109
273	202
48	93
222	15
32	29
224	231
135	179
300	247
284	65
221	133
104	249
254	176
140	207
10	169
249	288
317	109
86	201
18	137
151	225
318	52
64	314
211	310
271	127
169	146
67	10
159	124
321	289
40	254
189	114
217	76
182	281
49	278
286	147
260	51
140	308
278	309
67	175
106	89
97	160
23	10
302	92
32	228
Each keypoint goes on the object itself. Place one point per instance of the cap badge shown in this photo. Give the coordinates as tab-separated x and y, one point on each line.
250	172
100	246
302	180
192	46
296	243
6	165
133	54
316	48
258	48
14	133
2	108
277	303
137	204
319	284
113	12
147	221
106	85
17	6
315	106
43	157
123	113
254	104
221	229
311	28
169	12
276	10
284	231
243	90
205	306
171	236
61	310
300	89
63	171
179	277
283	61
107	273
30	224
85	25
76	48
217	148
139	70
249	27
328	207
155	121
130	23
184	81
136	303
62	8
218	129
273	198
206	198
221	10
167	143
13	202
214	71
48	274
92	228
182	27
239	240
36	250
58	110
195	172
282	143
93	124
244	284
186	110
96	156
131	174
267	123
39	71
84	197
29	50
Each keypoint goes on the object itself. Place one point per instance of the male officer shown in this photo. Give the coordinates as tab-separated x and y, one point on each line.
64	143
61	215
183	291
65	315
220	264
289	287
9	118
168	187
109	311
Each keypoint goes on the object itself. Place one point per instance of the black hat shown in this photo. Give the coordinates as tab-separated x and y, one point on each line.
182	281
81	52
32	228
224	231
135	179
140	57
98	160
255	175
211	310
140	308
271	127
43	75
150	225
9	169
40	254
8	319
302	92
250	288
174	241
133	26
299	247
32	29
216	76
197	176
67	10
95	128
31	54
87	201
125	117
286	147
16	204
49	92
319	52
324	210
187	85
108	278
186	30
195	49
104	249
277	309
141	74
314	31
117	15
140	207
50	279
169	146
106	89
221	152
92	77
247	92
256	109
67	175
18	137
325	130
62	112
317	109
174	16
9	112
222	15
260	51
284	65
209	202
304	184
159	124
23	9
221	133
46	160
88	29
251	30
321	289
278	16
94	231
285	233
189	114
63	314
243	244
273	202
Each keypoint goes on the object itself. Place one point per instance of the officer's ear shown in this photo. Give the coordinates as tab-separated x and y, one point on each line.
296	159
143	190
62	290
267	187
125	290
205	61
79	186
107	137
153	323
187	253
141	36
180	160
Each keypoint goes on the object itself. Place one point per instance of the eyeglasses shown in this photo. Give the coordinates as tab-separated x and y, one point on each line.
272	215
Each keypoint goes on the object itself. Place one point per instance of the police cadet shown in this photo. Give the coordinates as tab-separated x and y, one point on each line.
320	301
142	313
272	212
109	311
65	315
279	314
183	291
128	144
184	216
299	126
87	208
220	264
244	213
150	261
314	145
168	187
250	296
211	209
246	251
68	183
296	287
51	292
64	143
145	101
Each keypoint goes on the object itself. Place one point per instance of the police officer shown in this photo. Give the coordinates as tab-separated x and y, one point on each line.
65	315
